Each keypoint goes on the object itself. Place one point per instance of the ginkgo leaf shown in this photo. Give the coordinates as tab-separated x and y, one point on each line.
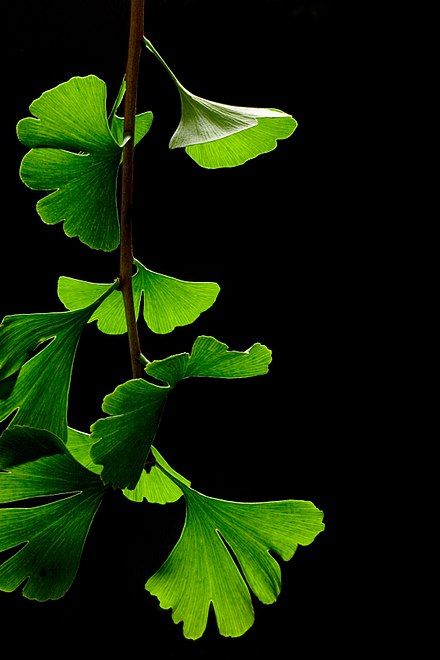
201	569
168	302
123	440
212	359
48	538
155	486
79	445
217	135
142	122
75	154
142	126
41	382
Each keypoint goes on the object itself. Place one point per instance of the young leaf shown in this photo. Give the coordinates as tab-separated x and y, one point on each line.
53	534
41	383
168	302
75	154
211	358
201	569
123	440
217	135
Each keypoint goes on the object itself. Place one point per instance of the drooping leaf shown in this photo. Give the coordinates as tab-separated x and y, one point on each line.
75	154
217	135
201	569
41	382
49	538
168	302
123	440
212	359
155	486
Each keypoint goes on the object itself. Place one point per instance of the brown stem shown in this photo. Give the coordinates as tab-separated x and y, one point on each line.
126	249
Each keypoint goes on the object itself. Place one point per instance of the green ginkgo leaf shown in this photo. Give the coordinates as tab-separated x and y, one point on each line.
217	135
38	385
75	154
142	123
201	570
168	302
36	463
211	358
153	485
123	440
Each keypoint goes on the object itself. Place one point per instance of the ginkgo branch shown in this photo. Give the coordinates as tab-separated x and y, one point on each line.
126	249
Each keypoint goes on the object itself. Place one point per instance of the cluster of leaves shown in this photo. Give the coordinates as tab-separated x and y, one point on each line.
224	550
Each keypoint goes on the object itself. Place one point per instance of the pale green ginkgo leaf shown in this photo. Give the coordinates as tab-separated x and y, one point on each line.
38	385
168	302
201	570
75	154
123	440
35	463
217	135
153	486
211	358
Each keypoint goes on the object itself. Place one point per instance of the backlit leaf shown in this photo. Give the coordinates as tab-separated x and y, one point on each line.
217	135
48	538
212	359
201	570
123	440
168	302
40	382
75	154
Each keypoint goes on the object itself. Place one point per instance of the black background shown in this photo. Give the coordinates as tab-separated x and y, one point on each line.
273	234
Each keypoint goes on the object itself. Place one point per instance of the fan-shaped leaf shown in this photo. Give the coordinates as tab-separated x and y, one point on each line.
218	135
75	154
168	302
201	569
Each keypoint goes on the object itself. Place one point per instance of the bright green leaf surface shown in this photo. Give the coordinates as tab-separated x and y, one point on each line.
79	445
41	383
123	440
75	154
155	486
218	135
211	358
52	535
168	302
201	569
